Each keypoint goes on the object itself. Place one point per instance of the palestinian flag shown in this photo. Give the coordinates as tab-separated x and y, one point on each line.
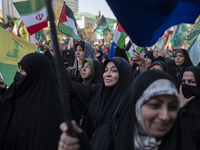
118	40
119	36
33	13
67	22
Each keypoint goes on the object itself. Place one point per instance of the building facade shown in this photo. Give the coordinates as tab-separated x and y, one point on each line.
9	9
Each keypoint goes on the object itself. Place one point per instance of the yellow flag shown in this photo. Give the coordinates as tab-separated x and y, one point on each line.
13	48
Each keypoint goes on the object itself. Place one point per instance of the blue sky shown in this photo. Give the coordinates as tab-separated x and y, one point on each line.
93	7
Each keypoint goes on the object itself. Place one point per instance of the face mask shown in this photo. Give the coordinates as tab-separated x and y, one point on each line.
189	91
18	79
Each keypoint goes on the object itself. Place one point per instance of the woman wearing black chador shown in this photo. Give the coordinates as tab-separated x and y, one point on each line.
30	111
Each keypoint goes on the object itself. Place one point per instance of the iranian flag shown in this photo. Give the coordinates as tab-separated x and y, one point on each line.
67	22
33	13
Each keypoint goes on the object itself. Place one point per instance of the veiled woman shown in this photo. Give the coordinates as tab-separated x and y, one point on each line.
30	110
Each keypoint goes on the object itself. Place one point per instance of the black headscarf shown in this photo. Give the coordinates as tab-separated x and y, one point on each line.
125	115
88	53
161	63
100	56
187	61
96	71
106	99
30	116
177	72
150	55
190	115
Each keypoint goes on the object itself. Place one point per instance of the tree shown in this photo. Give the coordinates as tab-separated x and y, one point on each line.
10	19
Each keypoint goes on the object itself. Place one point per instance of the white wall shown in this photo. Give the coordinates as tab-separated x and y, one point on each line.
9	9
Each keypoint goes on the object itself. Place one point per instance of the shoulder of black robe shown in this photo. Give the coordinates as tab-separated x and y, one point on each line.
80	94
124	118
36	112
185	133
102	106
150	55
190	115
98	72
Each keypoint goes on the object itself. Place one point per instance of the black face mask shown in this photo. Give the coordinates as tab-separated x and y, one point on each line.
18	79
189	91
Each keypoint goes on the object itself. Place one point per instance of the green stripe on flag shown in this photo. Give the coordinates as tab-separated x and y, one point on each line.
67	30
8	71
29	7
121	40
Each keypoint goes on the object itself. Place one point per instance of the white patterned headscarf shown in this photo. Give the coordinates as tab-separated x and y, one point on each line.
142	138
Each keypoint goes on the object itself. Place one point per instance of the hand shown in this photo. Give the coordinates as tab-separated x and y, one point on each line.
70	69
138	58
2	84
79	65
43	47
184	101
68	142
131	62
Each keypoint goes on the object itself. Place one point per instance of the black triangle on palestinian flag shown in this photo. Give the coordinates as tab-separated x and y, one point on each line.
67	22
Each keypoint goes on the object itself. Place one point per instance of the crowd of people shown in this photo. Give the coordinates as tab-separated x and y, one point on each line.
148	102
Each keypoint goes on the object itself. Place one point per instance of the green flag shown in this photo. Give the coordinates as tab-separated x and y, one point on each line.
179	35
195	31
194	50
102	27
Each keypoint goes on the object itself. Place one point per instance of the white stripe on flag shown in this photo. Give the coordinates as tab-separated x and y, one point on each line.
70	23
33	19
117	35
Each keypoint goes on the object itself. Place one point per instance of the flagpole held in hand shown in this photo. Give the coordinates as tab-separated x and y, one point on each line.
63	93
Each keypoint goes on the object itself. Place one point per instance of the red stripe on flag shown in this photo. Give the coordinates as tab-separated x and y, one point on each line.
120	29
63	17
37	27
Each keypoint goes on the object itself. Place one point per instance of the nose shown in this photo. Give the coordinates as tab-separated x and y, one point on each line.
164	114
108	73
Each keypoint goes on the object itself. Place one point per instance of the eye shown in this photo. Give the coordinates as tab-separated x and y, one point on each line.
154	105
114	70
183	81
173	107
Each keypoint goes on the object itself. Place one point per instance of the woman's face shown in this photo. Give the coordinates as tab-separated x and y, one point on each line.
179	59
79	52
148	61
111	74
159	113
86	70
157	67
22	71
189	79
